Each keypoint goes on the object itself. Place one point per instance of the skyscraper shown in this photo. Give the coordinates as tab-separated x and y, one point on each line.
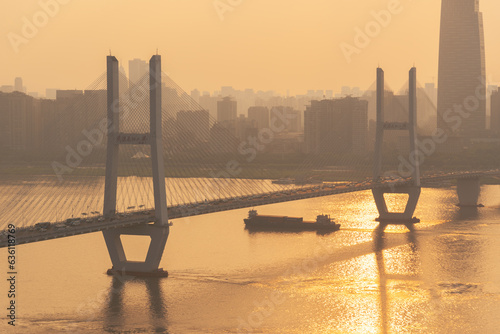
209	103
195	95
336	126
260	116
495	112
287	118
137	69
226	110
18	85
122	81
461	88
195	124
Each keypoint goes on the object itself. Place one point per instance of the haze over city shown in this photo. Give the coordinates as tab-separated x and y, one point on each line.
294	45
250	166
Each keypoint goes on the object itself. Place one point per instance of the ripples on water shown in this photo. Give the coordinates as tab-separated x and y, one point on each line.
442	278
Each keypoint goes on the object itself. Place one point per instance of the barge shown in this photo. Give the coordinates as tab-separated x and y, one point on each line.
255	221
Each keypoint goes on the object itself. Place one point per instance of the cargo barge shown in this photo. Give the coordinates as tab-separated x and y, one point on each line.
255	221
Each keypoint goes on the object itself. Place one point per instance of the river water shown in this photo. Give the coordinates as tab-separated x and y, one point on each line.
444	277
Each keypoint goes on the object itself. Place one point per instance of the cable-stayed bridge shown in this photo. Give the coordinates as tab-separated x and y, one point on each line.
138	217
153	153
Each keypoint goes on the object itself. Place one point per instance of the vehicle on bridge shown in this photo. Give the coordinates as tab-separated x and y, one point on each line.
73	221
44	225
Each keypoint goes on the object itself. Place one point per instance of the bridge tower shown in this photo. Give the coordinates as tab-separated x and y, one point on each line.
412	189
159	230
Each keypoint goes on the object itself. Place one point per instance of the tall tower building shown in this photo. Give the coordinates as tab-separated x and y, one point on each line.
137	70
336	126
18	85
226	110
495	113
461	89
260	116
123	81
195	95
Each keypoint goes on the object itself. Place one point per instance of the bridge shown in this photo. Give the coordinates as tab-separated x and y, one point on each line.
98	223
125	127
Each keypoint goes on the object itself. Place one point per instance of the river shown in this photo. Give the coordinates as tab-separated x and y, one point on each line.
443	277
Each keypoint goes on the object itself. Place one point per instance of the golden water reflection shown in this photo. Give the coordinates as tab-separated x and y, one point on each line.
116	320
441	277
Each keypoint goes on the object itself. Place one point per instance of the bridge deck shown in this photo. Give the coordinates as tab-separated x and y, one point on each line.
99	223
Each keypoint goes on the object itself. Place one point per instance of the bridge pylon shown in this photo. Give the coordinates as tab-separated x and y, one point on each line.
159	230
413	189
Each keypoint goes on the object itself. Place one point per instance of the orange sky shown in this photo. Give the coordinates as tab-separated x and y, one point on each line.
261	44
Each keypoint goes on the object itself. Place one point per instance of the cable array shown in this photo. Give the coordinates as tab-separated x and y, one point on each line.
202	162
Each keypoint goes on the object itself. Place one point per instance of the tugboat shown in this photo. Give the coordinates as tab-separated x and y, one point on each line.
255	221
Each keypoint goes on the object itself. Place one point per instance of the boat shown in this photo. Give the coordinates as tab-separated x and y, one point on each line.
255	221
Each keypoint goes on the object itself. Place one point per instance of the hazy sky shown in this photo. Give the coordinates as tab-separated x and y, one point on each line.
261	44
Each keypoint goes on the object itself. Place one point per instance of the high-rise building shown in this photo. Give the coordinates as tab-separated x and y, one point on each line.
51	93
195	95
226	110
68	94
287	118
6	89
396	107
50	141
209	103
94	107
18	85
336	126
69	104
259	116
461	69
122	81
431	91
137	69
227	91
223	139
171	101
346	90
19	122
196	123
495	112
356	92
244	128
426	109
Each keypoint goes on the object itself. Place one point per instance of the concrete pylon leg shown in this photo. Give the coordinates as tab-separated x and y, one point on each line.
406	217
468	191
149	267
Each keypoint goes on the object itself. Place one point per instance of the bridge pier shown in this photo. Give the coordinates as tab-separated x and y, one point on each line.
468	191
404	218
159	230
149	267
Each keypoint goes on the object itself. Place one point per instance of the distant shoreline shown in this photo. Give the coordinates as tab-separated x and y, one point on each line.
18	173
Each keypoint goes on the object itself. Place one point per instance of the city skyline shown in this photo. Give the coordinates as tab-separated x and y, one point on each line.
232	166
288	51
